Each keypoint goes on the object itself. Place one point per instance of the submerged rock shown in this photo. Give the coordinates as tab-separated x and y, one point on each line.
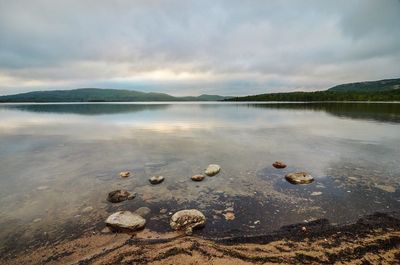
212	170
279	164
124	174
87	209
125	220
299	178
386	188
119	196
143	211
316	193
156	179
229	216
156	164
198	177
186	220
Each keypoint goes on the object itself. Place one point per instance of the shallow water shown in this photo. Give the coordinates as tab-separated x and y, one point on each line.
59	161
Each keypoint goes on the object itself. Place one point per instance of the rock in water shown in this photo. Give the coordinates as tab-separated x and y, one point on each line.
279	164
198	177
186	220
87	209
299	178
143	211
212	170
124	174
156	179
119	196
229	216
386	188
125	220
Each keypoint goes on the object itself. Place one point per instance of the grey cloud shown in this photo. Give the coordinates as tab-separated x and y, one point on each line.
246	47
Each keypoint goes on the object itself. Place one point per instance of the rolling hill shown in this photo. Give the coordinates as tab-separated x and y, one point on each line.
382	90
368	86
100	95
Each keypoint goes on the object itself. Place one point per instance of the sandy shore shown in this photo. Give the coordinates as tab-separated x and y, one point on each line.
374	239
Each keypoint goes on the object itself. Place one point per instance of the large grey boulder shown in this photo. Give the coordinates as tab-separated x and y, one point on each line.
125	220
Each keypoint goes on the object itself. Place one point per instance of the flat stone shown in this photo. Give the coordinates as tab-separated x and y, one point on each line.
187	220
163	210
386	188
279	164
125	220
143	211
197	177
42	188
119	196
299	178
212	170
156	179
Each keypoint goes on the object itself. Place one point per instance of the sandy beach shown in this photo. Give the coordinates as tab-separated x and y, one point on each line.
374	239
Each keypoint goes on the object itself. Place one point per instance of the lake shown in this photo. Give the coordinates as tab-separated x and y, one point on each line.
58	162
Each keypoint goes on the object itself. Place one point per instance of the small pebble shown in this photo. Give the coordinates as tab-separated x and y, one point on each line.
316	193
124	174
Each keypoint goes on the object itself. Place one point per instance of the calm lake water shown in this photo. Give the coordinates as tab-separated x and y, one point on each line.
59	161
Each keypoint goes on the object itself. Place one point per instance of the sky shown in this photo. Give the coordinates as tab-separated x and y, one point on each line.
197	47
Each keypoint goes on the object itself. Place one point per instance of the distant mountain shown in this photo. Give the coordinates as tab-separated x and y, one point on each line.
100	95
382	90
380	85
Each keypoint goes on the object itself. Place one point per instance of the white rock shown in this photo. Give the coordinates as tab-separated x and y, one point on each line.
126	220
212	170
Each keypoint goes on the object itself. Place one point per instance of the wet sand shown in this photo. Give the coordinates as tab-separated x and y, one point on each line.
374	239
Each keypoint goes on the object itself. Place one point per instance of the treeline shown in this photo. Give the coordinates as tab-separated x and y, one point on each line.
388	95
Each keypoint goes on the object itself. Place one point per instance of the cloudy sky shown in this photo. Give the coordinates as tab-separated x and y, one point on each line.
194	47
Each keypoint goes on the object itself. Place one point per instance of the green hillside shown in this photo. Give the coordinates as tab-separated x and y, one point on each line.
380	85
100	95
383	90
